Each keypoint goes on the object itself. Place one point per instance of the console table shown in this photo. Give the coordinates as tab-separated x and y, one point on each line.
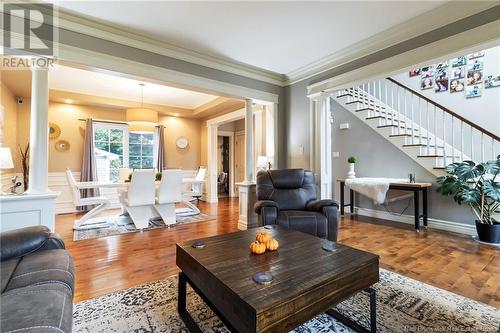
416	188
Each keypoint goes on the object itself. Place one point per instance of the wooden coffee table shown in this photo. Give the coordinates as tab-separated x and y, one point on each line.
307	280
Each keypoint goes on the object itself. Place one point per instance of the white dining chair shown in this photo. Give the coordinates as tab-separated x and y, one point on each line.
101	202
169	193
197	185
139	199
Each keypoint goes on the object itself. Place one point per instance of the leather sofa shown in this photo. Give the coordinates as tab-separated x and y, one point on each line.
37	282
287	197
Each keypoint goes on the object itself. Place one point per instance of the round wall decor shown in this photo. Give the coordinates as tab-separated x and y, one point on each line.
54	131
182	142
62	145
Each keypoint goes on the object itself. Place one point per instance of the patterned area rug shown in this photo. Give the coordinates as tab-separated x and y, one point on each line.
403	305
120	224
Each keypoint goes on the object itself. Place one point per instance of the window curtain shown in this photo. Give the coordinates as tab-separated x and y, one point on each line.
160	148
89	166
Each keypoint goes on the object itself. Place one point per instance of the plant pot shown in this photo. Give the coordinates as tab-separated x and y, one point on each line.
351	174
489	233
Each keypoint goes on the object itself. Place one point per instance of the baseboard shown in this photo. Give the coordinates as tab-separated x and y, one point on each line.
461	228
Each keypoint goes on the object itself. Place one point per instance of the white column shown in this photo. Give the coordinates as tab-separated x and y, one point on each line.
212	164
325	143
39	138
249	143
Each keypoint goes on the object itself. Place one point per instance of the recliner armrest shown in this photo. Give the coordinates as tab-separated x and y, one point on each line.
317	205
20	242
264	203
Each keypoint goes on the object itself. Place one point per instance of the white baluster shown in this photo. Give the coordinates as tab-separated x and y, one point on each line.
420	122
412	123
435	130
428	129
452	140
482	147
471	145
444	137
462	139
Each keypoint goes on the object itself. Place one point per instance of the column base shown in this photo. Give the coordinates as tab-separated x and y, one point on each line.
25	210
247	198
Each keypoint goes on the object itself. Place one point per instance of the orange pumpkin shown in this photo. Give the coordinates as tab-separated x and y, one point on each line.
272	244
263	237
257	248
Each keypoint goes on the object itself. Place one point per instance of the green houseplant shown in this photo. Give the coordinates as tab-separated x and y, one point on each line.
351	160
477	185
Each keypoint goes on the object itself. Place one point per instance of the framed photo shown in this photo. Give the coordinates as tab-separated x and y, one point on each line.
476	64
426	83
427	71
457	85
492	81
457	72
441	74
474	90
442	66
414	72
441	85
459	61
475	55
474	77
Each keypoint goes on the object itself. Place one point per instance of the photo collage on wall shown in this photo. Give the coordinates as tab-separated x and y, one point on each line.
460	74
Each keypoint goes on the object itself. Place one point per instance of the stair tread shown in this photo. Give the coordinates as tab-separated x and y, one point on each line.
408	134
450	156
394	125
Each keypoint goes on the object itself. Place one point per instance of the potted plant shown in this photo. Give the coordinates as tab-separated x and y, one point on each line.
478	186
351	160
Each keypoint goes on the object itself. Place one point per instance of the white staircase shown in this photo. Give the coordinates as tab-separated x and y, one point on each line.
428	132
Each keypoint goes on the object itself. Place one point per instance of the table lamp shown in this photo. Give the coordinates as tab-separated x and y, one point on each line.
262	163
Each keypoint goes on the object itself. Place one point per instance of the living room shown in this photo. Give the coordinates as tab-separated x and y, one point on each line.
343	216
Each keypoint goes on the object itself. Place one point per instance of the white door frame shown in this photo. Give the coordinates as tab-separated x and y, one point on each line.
231	160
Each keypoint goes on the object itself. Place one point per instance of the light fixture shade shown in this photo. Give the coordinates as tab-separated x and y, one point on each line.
142	115
142	119
6	158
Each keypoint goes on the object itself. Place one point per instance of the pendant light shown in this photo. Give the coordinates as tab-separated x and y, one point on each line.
142	119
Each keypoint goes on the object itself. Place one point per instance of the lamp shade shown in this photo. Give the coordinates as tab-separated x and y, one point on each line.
6	158
261	162
142	119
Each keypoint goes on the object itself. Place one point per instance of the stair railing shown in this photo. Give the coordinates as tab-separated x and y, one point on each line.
440	131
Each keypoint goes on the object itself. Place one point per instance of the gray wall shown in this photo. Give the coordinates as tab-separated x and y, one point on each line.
377	157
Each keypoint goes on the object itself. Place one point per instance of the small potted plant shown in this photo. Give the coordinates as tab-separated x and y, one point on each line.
351	160
478	186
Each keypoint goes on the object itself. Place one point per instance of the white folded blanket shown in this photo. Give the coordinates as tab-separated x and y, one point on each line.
373	188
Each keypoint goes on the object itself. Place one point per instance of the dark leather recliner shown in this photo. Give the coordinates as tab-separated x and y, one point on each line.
37	282
287	197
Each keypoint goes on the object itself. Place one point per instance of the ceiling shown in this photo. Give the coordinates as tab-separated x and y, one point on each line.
84	87
278	36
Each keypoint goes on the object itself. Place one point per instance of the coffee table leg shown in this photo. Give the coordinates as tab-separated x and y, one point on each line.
354	325
181	306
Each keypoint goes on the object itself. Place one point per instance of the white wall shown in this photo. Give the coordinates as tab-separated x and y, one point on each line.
483	110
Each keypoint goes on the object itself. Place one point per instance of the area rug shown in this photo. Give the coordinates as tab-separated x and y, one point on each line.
403	305
121	224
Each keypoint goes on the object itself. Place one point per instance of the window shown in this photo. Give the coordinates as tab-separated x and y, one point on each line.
141	148
116	147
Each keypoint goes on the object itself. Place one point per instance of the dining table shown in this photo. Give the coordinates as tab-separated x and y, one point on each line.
190	210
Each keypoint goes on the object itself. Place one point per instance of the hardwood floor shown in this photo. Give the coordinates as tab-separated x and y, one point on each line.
449	261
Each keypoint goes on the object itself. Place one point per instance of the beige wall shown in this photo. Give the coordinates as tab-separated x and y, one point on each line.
8	124
188	158
72	130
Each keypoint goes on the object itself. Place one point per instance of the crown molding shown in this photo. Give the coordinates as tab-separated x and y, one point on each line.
431	20
95	28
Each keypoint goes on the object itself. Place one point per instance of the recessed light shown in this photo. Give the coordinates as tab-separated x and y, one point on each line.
176	115
68	101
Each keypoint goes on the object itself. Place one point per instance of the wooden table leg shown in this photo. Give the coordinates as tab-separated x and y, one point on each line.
424	206
342	185
352	200
181	306
416	205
